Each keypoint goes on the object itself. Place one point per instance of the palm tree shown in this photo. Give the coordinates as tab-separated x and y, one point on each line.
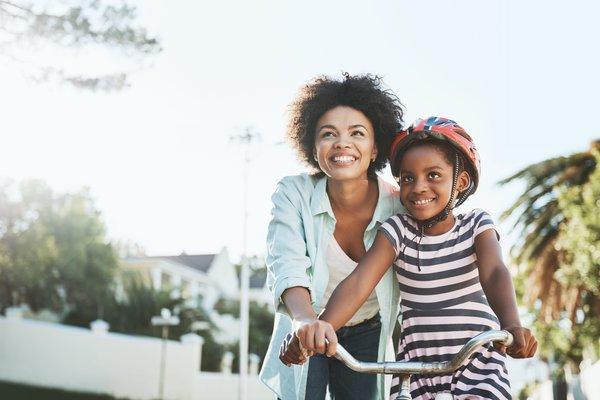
538	218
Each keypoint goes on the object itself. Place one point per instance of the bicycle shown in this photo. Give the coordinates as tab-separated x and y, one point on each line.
407	369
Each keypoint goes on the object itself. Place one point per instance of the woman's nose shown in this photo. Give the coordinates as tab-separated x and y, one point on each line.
342	142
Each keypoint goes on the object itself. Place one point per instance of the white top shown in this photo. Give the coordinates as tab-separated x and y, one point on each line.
340	266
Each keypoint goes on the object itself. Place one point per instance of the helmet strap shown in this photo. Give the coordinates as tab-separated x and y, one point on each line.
428	223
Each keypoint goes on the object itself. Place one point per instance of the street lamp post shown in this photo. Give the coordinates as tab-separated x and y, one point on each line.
245	138
165	319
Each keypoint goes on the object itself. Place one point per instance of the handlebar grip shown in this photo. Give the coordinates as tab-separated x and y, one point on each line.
509	339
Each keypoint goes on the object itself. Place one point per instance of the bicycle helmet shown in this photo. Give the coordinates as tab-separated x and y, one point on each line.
447	131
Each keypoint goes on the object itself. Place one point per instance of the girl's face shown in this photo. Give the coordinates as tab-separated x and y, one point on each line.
426	183
344	143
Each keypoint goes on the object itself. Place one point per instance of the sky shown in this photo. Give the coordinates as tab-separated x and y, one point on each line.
521	77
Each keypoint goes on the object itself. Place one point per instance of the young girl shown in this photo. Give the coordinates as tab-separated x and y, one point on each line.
452	279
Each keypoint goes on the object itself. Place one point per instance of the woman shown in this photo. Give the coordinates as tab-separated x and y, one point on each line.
322	224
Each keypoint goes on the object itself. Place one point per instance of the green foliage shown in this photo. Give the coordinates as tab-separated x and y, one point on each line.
14	391
559	252
52	250
260	329
228	306
580	267
73	25
259	332
580	235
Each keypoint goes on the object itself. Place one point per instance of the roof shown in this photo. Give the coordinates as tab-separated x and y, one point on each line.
199	262
258	278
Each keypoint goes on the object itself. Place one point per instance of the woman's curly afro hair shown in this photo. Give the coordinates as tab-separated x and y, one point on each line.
361	92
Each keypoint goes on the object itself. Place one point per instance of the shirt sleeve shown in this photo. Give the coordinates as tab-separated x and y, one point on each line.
391	230
287	261
483	222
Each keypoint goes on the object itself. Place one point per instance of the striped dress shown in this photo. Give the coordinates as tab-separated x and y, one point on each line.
443	306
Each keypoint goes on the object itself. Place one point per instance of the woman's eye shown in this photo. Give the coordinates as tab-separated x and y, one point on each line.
358	133
327	134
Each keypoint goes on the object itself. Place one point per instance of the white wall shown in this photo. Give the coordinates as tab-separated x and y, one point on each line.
585	386
590	381
57	356
51	355
225	387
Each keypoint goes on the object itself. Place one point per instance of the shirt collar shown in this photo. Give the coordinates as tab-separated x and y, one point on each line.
385	201
320	200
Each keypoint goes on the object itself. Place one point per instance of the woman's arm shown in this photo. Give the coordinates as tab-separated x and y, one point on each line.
347	297
287	260
498	287
297	303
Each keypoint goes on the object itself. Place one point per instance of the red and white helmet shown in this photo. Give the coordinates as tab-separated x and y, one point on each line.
445	130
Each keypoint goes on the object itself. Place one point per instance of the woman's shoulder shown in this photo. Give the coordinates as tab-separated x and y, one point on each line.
390	196
301	180
301	183
388	188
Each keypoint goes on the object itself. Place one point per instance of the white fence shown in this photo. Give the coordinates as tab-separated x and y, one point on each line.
57	356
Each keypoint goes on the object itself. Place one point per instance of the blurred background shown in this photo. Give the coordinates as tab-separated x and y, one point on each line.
130	129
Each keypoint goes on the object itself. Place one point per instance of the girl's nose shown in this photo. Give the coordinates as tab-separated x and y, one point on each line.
420	185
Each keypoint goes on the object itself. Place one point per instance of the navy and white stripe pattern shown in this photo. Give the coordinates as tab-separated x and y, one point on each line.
443	306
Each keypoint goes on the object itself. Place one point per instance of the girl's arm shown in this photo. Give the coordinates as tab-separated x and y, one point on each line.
498	287
347	297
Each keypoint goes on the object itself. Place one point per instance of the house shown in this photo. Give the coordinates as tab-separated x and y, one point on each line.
259	292
200	279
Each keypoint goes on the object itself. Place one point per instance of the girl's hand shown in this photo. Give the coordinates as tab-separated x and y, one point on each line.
524	343
290	351
312	335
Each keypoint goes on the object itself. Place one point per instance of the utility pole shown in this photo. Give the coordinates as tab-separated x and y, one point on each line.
246	138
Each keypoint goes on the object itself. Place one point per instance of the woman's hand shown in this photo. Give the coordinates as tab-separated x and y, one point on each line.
290	351
312	335
524	343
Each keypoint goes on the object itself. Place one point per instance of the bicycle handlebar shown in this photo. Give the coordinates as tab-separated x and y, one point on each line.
396	367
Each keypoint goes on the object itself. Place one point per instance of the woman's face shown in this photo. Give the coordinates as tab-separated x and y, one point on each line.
344	143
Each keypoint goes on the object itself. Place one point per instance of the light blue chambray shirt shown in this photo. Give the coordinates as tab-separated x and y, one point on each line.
299	233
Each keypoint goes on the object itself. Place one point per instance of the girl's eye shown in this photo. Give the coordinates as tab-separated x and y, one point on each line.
434	175
327	134
406	179
358	133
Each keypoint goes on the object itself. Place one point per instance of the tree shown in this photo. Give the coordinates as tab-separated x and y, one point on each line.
260	316
579	241
549	217
53	253
31	32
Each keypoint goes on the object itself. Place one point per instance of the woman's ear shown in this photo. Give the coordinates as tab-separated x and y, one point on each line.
463	182
374	153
